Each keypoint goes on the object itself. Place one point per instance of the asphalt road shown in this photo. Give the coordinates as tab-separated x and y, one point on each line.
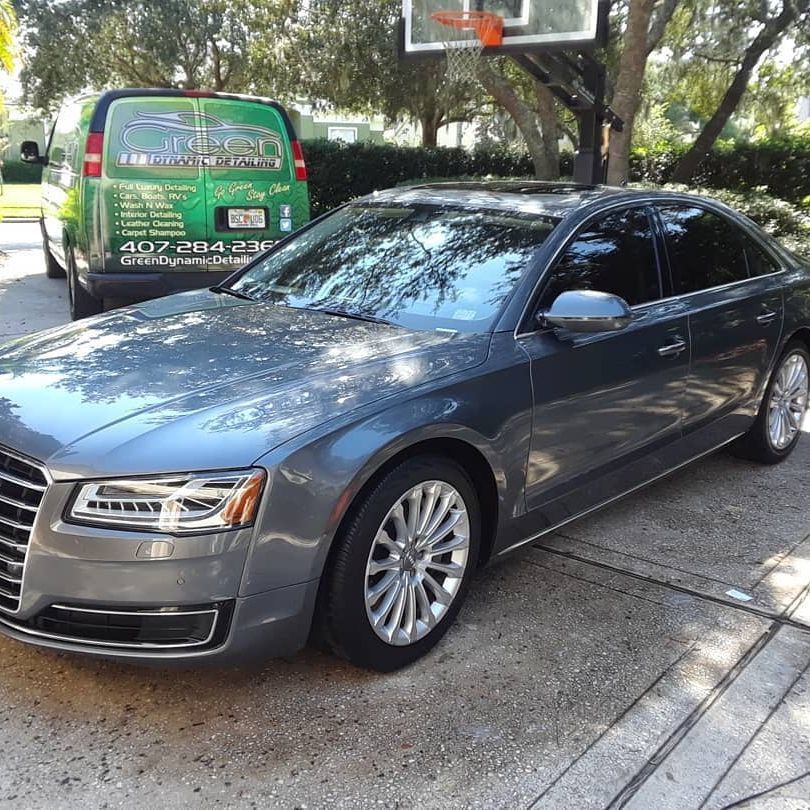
605	666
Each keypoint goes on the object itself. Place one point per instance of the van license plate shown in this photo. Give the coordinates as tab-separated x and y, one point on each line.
243	218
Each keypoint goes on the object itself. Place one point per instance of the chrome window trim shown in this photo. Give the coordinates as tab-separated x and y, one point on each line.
37	488
119	645
654	201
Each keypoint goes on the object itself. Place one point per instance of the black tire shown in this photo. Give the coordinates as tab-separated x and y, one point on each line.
82	304
756	445
52	267
342	622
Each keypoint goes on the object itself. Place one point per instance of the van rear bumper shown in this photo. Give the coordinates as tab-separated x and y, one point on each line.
140	286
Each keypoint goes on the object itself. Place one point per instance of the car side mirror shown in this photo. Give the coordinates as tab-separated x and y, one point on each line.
29	152
587	311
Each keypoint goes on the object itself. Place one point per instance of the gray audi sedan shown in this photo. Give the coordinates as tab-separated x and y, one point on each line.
328	445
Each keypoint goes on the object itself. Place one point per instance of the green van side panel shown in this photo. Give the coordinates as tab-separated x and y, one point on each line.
67	206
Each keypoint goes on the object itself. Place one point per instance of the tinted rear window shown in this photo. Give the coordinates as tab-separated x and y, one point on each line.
705	250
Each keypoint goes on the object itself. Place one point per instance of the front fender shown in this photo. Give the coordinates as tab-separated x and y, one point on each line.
311	487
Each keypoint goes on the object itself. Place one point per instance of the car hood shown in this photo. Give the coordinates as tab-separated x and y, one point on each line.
200	380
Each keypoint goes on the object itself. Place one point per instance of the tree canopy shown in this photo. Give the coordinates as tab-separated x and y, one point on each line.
8	31
78	44
688	70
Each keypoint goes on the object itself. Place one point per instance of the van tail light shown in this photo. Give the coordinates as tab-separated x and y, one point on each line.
298	159
92	154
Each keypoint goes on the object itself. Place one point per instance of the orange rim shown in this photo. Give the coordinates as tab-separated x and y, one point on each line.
487	26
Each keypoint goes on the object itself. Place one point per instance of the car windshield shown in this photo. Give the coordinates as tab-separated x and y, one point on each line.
418	266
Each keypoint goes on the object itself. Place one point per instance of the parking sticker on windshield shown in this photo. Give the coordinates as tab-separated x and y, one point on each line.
464	315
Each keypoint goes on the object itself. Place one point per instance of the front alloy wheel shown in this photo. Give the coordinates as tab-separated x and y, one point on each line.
401	564
417	562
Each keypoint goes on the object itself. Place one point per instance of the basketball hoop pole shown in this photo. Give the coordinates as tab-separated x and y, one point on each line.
562	61
590	166
579	83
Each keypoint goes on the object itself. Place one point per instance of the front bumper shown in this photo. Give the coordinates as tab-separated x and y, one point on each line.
142	286
89	590
271	624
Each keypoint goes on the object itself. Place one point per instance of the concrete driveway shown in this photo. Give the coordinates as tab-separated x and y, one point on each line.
656	655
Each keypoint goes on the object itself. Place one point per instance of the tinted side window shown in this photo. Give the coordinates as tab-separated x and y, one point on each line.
759	262
66	138
614	254
704	249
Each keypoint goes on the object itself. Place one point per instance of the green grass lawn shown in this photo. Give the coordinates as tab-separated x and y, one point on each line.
20	200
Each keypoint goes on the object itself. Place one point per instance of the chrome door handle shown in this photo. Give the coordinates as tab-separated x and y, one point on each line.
672	349
766	317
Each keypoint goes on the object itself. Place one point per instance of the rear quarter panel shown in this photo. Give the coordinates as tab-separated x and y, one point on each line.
797	300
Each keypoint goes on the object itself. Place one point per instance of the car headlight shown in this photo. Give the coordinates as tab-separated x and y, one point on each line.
175	504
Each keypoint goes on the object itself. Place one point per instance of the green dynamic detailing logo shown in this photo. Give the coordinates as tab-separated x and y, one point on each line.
182	139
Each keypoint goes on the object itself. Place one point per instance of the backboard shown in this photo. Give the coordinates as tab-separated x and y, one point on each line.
528	24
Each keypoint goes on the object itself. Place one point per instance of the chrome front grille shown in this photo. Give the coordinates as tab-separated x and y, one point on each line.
22	486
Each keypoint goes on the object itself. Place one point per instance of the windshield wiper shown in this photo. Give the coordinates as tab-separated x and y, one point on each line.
218	288
345	313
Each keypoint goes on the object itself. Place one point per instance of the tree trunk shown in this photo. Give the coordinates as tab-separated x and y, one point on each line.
627	97
766	39
524	117
430	123
549	129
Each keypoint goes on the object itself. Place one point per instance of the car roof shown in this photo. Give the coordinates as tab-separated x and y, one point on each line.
524	196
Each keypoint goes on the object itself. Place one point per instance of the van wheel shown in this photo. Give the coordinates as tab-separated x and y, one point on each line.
52	267
82	304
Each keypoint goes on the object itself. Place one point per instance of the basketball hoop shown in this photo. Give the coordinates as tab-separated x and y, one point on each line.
472	31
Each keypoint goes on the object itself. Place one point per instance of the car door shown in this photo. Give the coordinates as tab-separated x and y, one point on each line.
608	405
732	289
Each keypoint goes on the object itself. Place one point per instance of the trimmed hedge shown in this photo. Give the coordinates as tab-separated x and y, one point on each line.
779	166
339	171
15	171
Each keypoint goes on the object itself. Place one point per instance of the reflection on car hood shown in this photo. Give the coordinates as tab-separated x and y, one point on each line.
200	380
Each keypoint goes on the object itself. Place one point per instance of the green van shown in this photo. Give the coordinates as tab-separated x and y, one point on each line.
147	192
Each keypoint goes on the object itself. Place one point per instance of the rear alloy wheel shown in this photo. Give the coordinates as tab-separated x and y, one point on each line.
788	403
403	565
778	425
82	304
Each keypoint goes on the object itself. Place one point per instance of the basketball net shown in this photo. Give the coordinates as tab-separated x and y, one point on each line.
468	33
